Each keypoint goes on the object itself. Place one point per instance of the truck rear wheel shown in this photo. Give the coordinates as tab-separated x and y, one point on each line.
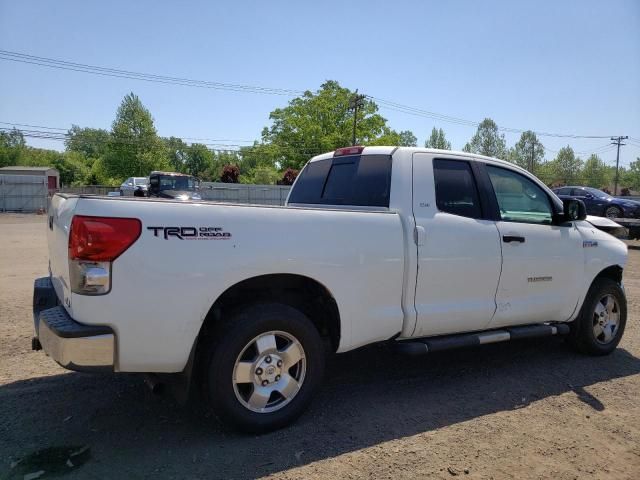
600	325
264	368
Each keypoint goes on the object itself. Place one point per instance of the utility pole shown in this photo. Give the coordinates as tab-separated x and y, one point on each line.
533	153
617	141
355	102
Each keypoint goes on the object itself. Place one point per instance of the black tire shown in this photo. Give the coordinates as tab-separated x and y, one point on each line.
582	335
613	212
238	331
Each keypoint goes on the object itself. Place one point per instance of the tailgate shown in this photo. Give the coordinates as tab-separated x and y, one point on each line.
58	225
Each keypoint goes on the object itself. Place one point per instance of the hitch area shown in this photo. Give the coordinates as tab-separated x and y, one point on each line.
420	346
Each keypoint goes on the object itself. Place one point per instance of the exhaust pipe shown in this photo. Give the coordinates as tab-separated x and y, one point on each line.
152	381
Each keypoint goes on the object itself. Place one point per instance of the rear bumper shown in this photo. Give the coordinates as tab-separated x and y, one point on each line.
71	344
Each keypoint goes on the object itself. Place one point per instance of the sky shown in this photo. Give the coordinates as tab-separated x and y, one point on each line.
569	67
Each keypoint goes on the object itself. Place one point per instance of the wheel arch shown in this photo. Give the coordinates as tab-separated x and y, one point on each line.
614	272
298	291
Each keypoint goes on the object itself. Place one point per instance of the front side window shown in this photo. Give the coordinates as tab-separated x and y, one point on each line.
456	190
519	199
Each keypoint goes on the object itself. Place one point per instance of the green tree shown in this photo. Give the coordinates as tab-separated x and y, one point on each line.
528	152
487	141
438	140
73	168
390	137
407	139
12	146
177	150
631	177
566	166
134	147
198	159
595	172
547	173
322	121
91	142
261	154
261	175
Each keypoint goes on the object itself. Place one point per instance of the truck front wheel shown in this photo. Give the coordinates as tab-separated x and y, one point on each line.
600	325
265	365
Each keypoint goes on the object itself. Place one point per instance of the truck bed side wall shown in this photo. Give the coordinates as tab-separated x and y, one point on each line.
163	288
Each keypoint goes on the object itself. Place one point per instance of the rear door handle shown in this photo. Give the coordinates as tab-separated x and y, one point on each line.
512	238
419	235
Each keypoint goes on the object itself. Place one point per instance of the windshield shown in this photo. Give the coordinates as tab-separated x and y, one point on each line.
140	181
171	182
597	193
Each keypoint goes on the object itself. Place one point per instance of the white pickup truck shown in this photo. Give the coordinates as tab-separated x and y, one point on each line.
424	249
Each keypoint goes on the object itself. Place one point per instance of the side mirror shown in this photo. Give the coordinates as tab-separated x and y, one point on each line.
588	195
574	209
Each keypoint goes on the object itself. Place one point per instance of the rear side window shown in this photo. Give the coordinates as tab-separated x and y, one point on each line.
358	180
456	190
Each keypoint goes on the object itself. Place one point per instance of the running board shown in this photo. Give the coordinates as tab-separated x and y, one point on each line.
420	346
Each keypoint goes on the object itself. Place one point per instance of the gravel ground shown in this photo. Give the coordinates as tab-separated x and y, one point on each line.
521	410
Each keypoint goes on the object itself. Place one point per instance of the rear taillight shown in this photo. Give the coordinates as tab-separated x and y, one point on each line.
95	242
101	239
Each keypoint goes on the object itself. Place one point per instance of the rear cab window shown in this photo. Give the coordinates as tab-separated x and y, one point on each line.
353	180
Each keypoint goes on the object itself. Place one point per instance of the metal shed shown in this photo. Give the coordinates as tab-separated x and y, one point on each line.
27	189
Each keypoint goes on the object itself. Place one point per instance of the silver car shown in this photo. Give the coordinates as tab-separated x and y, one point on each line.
132	183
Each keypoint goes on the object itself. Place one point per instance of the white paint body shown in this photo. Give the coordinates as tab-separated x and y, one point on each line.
450	274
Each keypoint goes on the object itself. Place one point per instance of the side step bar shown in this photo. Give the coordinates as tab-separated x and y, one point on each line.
421	346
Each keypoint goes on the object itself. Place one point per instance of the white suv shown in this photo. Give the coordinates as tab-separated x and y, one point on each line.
132	183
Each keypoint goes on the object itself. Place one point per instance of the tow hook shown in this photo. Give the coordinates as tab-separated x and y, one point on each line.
35	344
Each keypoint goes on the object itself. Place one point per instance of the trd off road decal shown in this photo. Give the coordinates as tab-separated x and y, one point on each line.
190	233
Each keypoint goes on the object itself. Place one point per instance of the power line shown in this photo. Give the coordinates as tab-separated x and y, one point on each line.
465	122
198	139
596	151
218	147
119	73
165	79
33	126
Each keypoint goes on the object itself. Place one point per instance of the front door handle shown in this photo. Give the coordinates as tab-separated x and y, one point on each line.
512	238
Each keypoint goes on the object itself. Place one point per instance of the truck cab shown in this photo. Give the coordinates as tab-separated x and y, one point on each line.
179	186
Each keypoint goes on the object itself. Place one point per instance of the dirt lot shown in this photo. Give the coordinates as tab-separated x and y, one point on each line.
520	410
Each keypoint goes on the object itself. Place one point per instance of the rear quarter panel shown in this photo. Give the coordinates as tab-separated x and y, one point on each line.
163	288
